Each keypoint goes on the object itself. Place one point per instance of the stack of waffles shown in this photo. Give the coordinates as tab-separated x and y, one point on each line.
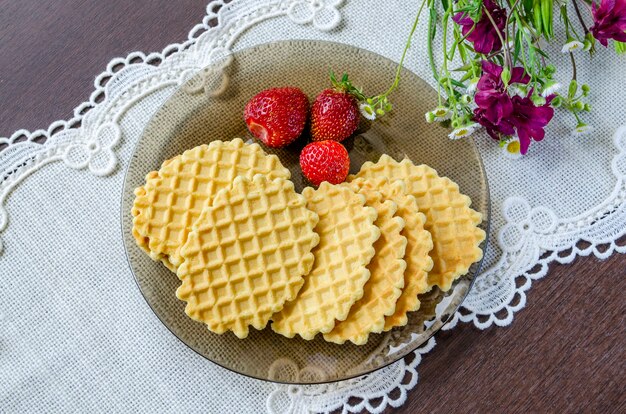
343	261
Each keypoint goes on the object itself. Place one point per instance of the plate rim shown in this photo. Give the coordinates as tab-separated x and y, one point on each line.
407	350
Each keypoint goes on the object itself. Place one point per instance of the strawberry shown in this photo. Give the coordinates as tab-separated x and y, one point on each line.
325	161
277	116
334	115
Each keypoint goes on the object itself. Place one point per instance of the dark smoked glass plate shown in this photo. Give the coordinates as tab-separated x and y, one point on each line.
192	117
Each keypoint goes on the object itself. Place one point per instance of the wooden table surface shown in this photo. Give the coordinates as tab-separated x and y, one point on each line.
564	352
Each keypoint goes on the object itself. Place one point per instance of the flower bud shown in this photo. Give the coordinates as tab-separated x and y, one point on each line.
573	87
430	117
556	102
587	107
505	76
578	106
585	89
538	100
466	99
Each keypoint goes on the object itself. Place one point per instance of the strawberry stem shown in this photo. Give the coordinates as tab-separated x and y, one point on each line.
379	104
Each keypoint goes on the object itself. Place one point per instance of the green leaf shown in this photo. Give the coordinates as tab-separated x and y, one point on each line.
506	76
457	83
532	57
528	6
517	46
433	23
445	4
462	52
620	47
463	68
547	17
467	76
542	53
537	19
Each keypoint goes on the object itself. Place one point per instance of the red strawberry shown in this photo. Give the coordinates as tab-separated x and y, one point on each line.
334	115
325	161
277	116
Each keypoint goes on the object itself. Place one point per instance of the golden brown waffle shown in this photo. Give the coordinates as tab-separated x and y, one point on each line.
173	197
451	222
419	244
385	284
347	235
246	255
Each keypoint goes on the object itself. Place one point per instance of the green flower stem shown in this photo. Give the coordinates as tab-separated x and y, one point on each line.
571	57
431	35
507	51
508	19
580	17
523	54
450	92
396	80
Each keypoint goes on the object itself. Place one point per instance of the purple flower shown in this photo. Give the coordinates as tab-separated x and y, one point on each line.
492	95
484	36
503	115
526	119
529	120
495	131
609	21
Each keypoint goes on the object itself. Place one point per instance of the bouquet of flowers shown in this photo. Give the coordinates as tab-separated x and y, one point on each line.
495	72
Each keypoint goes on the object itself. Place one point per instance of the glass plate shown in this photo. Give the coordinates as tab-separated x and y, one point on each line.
192	117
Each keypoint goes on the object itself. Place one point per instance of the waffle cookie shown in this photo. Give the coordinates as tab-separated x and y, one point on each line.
419	244
387	267
347	235
451	222
246	255
172	198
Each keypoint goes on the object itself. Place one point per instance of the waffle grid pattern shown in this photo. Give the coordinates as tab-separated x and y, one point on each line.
247	255
387	268
347	234
172	199
419	245
451	222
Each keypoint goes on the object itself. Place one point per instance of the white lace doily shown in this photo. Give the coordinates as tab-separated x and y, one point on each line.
75	333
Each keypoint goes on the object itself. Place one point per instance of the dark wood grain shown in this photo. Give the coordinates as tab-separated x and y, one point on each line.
565	352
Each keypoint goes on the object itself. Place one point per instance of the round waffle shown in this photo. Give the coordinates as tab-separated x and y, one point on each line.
172	198
246	255
449	218
419	244
347	235
385	284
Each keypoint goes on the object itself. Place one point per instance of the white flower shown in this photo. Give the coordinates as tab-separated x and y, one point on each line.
518	89
471	88
572	46
440	113
367	111
550	88
511	149
582	129
464	131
